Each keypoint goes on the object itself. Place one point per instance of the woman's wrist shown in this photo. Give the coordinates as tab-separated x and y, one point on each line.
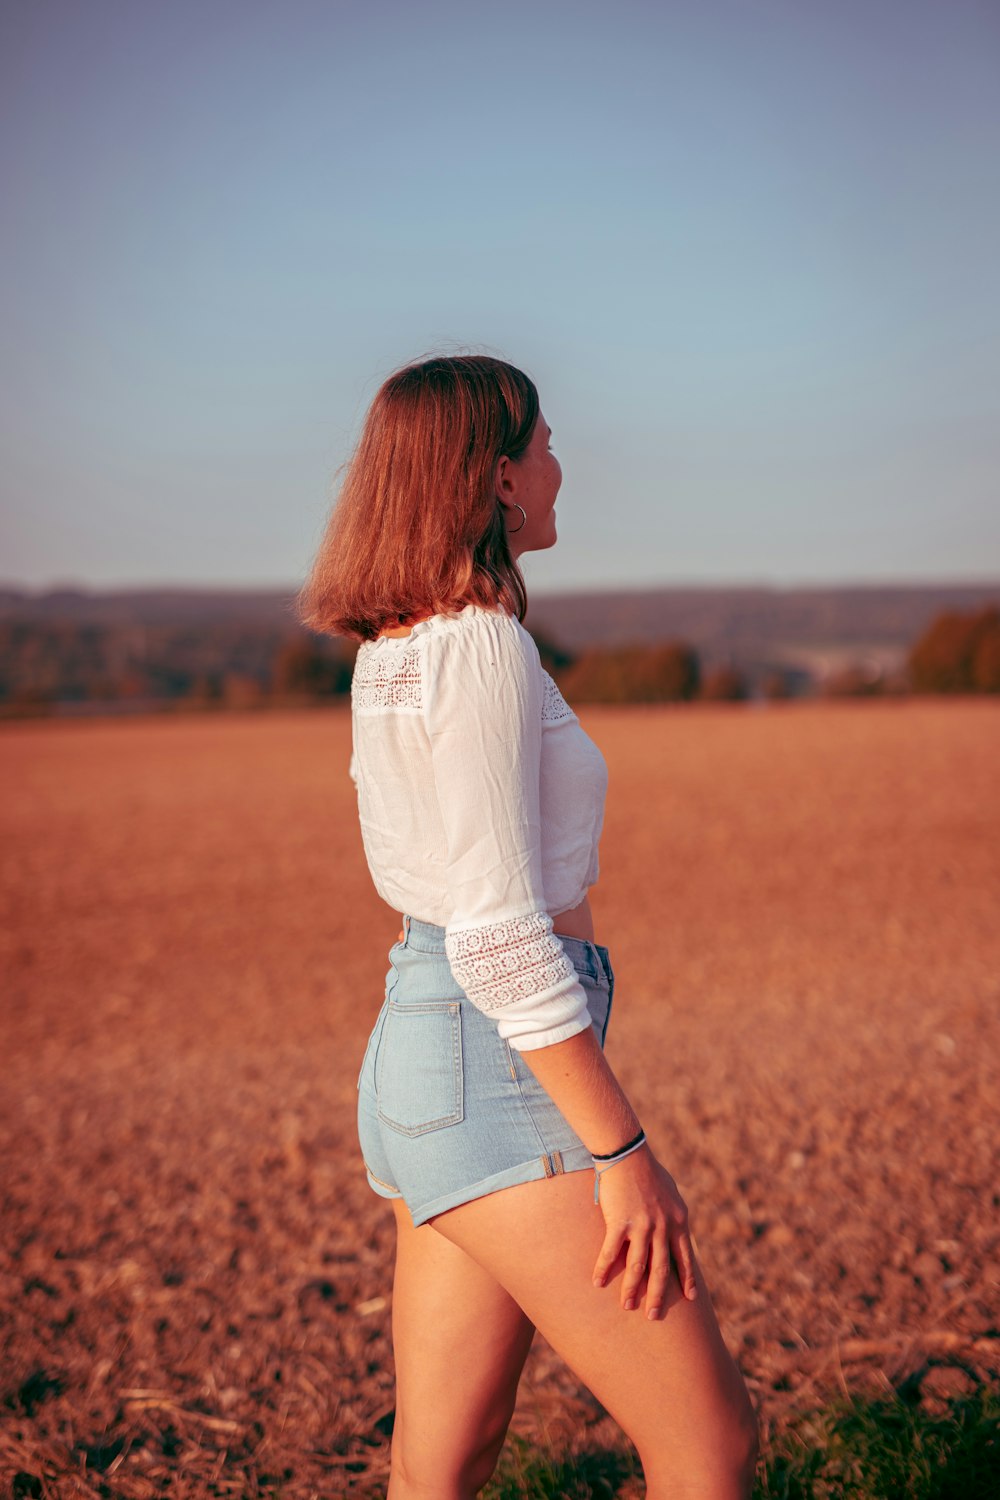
612	1136
633	1145
602	1163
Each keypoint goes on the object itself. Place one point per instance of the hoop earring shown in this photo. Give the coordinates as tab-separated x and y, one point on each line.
514	529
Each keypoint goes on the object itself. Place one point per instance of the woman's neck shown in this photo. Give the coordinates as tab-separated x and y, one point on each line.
398	630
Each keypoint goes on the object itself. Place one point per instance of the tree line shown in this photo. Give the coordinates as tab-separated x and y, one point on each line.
67	664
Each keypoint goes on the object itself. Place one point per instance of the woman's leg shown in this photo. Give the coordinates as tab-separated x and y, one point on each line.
670	1384
460	1342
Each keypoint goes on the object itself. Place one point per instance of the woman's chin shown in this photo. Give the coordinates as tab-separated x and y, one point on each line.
545	541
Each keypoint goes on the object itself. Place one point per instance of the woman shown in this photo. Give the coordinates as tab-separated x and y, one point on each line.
523	1186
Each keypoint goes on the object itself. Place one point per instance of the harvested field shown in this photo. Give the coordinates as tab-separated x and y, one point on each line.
802	903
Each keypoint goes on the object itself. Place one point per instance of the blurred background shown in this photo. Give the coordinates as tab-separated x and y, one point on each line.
749	252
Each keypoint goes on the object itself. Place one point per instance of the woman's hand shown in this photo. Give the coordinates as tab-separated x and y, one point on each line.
645	1216
646	1219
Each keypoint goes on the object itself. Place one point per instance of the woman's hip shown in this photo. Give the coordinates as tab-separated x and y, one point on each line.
446	1105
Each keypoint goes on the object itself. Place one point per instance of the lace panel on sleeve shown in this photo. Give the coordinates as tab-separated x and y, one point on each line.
386	680
498	962
554	705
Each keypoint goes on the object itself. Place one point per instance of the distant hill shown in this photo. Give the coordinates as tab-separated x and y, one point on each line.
811	630
806	631
175	607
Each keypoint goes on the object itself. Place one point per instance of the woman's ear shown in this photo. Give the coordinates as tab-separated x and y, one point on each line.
504	484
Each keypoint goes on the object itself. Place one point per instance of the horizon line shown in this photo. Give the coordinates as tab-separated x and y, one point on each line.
62	586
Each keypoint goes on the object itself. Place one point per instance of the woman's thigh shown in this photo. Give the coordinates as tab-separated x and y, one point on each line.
671	1384
459	1342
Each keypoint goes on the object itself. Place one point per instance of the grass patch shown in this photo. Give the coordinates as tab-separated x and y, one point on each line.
525	1473
858	1450
888	1450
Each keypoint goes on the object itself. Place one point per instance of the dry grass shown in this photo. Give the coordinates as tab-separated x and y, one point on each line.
801	904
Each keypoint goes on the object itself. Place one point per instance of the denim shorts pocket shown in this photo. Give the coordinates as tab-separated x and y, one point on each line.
419	1078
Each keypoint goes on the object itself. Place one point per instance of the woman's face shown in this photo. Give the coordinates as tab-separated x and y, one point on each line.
532	482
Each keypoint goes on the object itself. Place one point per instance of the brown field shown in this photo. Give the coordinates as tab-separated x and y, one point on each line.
803	909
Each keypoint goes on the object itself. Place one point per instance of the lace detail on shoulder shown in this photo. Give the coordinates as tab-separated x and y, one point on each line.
499	962
554	705
387	679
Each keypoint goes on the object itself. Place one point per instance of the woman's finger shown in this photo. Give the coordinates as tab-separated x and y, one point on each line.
614	1239
684	1256
659	1275
635	1270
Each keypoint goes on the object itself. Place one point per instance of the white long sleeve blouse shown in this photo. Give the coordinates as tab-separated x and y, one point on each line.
481	802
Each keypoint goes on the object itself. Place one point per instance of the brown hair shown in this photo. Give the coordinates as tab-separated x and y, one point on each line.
418	528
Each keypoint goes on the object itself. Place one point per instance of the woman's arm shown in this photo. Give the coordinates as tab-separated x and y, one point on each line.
482	695
641	1205
482	704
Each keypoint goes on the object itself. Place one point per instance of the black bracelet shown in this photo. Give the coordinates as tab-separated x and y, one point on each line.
636	1140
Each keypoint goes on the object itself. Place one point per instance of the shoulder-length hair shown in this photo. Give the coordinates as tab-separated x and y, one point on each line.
418	528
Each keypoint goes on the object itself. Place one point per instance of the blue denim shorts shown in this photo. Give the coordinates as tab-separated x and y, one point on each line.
447	1110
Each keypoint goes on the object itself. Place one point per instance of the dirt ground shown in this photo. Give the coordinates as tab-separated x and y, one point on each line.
802	903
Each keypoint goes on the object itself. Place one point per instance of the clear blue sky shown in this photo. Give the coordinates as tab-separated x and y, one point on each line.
749	249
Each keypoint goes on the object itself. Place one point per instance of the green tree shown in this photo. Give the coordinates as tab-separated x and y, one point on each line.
724	684
555	658
958	653
304	667
667	673
986	661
